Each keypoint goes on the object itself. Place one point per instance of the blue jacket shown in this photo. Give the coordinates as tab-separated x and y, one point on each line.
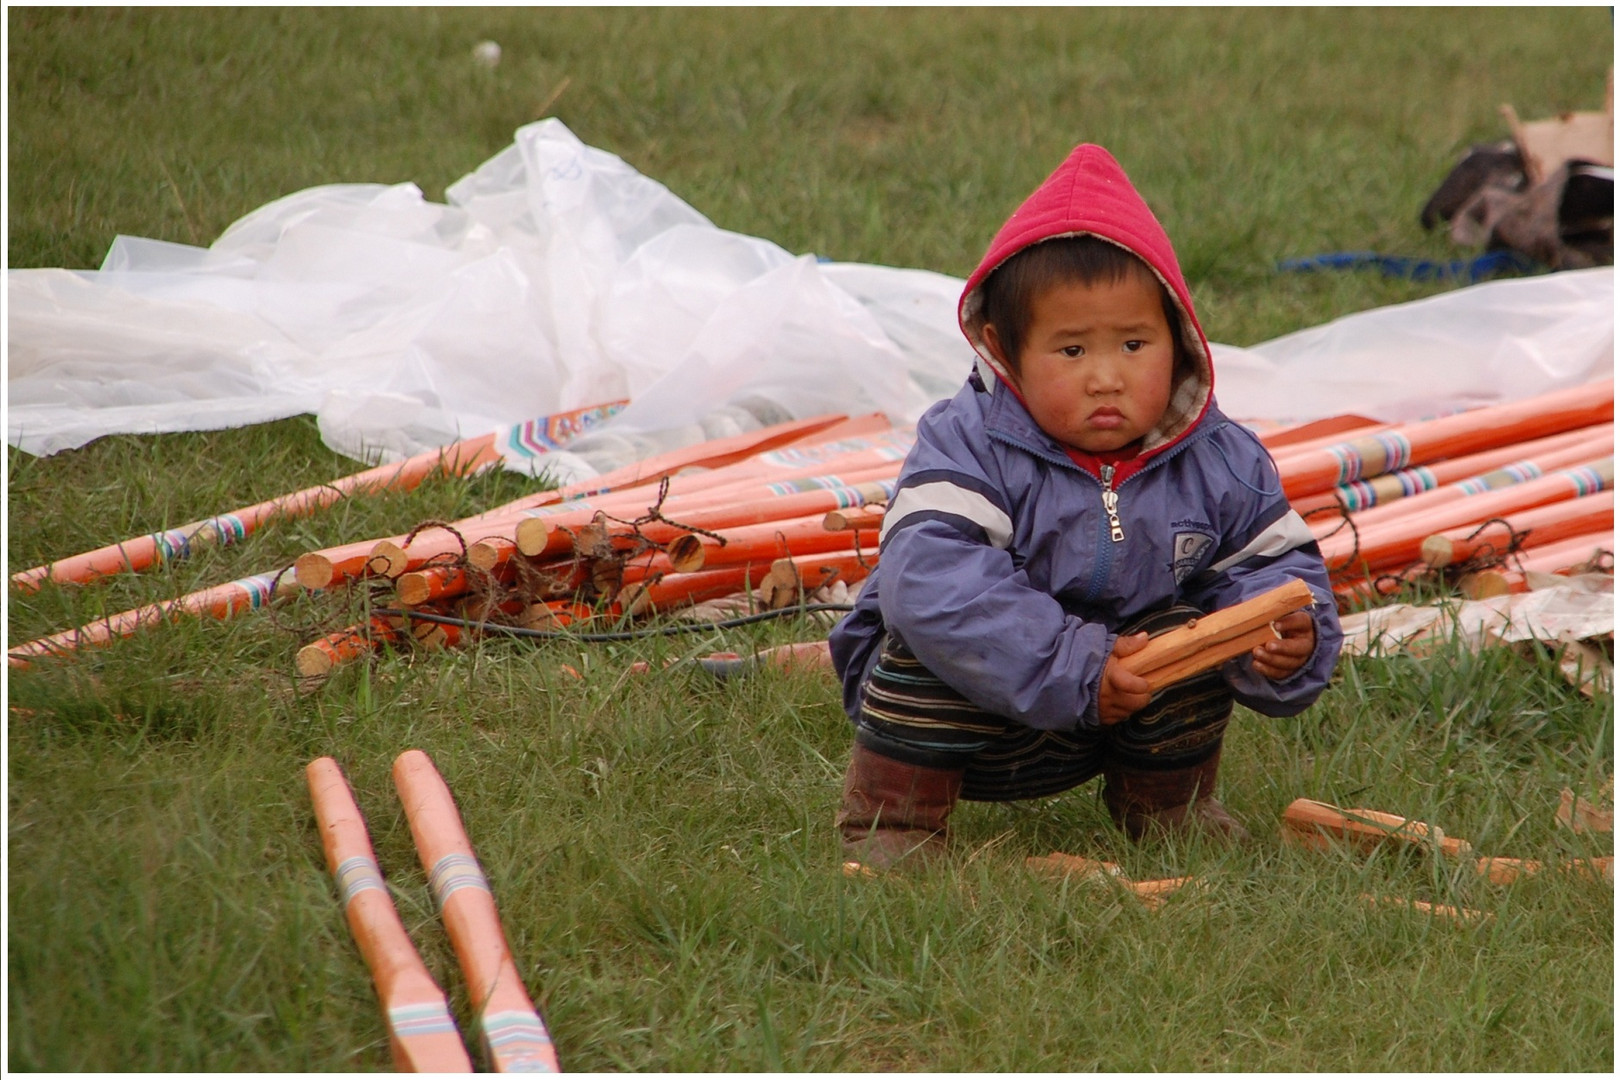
999	568
1002	569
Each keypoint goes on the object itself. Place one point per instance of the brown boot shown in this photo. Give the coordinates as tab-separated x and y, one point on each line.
891	810
1142	801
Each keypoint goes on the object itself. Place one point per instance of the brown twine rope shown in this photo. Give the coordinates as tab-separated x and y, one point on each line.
1343	572
1489	556
655	512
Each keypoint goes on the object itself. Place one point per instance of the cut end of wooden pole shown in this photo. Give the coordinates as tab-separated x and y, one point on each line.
530	535
1484	584
413	588
780	586
1437	551
864	517
29	581
388	559
634	599
686	554
313	661
485	555
313	570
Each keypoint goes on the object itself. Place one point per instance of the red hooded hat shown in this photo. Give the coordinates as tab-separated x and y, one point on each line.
1090	195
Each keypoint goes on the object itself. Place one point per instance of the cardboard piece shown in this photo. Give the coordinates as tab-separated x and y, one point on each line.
1547	144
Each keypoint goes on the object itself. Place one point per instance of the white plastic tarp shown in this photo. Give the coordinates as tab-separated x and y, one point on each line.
558	277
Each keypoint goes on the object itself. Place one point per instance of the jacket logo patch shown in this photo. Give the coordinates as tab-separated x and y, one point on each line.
1189	549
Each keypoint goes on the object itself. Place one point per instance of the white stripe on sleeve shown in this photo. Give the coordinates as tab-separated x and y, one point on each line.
1280	537
947	498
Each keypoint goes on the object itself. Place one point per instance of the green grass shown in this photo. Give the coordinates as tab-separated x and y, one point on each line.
661	848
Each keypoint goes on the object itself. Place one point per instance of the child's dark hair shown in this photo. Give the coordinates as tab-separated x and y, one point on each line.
1010	290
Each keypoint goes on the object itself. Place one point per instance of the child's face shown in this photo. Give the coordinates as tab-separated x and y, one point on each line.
1097	362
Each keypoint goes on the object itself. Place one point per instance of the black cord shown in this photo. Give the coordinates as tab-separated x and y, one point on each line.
619	635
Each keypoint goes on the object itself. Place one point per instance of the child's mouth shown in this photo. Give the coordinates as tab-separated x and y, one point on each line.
1107	417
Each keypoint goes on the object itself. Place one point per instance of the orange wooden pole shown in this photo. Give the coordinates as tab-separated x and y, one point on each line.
1400	541
726	501
855	519
884	450
1540	526
776	539
322	655
1311	471
1323	432
391	557
792	579
1311	824
711	453
421	1032
217	602
141	552
1566	554
1493	467
513	1034
1502	871
327	568
680	590
1517	472
764	505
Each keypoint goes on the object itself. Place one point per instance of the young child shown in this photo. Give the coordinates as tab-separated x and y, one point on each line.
1079	494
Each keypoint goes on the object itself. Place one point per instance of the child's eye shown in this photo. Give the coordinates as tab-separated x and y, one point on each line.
1133	346
1072	351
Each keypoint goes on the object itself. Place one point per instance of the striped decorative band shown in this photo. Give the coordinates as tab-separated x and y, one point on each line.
1372	456
421	1018
1587	480
456	871
258	587
174	544
1515	473
519	1040
1349	459
1397	450
1362	494
806	483
543	434
357	874
227	528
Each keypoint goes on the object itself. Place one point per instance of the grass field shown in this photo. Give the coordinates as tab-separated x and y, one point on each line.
661	848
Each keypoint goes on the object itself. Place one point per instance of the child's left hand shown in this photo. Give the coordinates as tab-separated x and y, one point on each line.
1277	660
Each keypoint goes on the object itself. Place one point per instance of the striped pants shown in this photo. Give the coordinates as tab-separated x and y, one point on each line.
911	715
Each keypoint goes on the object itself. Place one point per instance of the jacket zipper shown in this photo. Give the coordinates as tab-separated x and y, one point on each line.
1110	499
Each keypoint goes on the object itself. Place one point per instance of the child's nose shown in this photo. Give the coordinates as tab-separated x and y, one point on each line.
1107	378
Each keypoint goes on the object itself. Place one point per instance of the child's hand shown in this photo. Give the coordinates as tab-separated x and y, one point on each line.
1122	693
1279	659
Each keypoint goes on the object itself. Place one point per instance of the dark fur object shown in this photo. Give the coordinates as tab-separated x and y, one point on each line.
1488	165
1566	222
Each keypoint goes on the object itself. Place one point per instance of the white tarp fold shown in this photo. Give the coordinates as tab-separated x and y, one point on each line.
558	277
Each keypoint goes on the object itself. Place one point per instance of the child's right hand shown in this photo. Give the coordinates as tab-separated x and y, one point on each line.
1121	692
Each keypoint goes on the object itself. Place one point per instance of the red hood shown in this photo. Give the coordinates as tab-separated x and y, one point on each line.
1090	194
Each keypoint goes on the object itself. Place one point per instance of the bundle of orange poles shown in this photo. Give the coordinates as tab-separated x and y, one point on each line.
697	524
1511	483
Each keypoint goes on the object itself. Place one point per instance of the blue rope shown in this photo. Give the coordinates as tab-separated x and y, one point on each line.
1472	270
